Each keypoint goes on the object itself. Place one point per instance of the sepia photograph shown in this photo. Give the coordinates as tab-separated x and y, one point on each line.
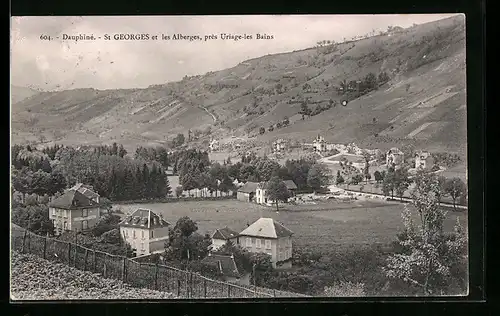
238	157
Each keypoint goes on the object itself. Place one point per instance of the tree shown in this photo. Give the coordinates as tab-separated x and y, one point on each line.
388	186
262	130
339	179
345	289
370	81
366	171
34	218
178	140
356	179
427	258
178	191
277	191
318	176
184	243
378	176
383	77
401	182
456	188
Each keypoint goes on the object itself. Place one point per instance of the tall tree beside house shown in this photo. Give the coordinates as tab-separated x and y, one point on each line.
378	176
401	182
339	179
318	176
388	184
129	185
185	243
277	191
427	258
456	188
366	170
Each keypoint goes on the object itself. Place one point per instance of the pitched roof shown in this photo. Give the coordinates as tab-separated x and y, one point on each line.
85	190
394	150
72	200
224	233
225	263
290	185
248	187
423	154
267	228
144	218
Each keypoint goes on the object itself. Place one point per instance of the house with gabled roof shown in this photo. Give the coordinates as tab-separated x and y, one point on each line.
261	191
145	231
74	211
226	265
86	190
423	160
246	193
222	235
394	158
267	235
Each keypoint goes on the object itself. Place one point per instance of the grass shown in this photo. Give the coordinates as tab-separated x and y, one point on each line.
326	224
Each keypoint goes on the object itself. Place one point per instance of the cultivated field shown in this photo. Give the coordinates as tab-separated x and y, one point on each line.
325	224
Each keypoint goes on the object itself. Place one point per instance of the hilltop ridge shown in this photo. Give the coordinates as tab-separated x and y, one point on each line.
423	102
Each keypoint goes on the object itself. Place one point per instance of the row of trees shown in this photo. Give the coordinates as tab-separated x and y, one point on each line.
362	86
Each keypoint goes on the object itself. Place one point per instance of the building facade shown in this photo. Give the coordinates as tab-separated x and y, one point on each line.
221	236
261	192
145	231
394	158
246	193
319	144
214	145
269	236
424	160
75	211
279	146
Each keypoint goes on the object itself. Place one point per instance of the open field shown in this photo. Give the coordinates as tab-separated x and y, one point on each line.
323	225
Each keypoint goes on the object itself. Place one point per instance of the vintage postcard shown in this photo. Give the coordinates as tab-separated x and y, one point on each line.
236	157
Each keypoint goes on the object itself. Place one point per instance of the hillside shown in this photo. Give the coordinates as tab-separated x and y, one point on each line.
20	93
422	104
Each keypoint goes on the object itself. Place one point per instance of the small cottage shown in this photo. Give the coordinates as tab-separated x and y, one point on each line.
227	267
319	144
261	191
246	193
221	236
394	157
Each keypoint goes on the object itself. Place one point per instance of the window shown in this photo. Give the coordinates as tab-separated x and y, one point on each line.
257	243
85	213
85	224
65	225
280	257
53	211
249	242
142	234
151	234
142	246
268	244
133	234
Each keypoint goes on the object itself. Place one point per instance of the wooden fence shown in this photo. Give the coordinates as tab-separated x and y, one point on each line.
183	284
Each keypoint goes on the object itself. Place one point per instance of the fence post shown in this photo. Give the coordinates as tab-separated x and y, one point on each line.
274	293
156	276
74	256
104	272
124	270
24	240
178	288
205	287
44	248
29	242
69	254
228	290
85	260
95	262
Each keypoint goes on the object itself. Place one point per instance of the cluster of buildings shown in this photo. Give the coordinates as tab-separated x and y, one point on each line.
423	159
79	209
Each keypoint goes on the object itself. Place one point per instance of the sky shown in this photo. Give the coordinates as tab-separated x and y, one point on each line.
113	64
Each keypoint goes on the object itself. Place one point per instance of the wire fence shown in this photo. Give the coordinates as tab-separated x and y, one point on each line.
181	283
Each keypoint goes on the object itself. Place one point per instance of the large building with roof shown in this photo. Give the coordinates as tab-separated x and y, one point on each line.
78	209
145	231
266	235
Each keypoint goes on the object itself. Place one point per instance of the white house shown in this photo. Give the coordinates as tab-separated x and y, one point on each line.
423	160
279	145
214	145
319	144
394	157
222	235
269	236
145	231
261	191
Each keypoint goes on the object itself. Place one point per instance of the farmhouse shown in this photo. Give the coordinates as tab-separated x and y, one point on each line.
268	236
394	157
221	236
261	195
214	145
279	145
423	160
227	267
319	144
145	231
74	210
247	192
